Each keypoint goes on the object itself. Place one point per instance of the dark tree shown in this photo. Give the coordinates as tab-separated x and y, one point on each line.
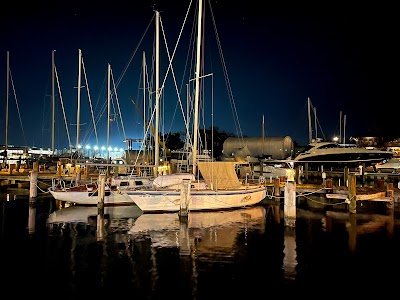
213	139
173	140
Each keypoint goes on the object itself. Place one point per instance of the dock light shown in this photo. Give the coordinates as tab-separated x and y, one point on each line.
335	139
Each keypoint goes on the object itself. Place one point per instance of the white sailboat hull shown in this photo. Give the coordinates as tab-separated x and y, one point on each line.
199	200
88	198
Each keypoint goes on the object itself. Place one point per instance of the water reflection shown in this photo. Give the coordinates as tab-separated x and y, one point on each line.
32	216
77	251
206	251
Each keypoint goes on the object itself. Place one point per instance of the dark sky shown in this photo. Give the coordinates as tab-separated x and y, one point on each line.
275	58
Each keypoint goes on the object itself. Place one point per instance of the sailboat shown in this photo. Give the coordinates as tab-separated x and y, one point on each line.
87	193
216	187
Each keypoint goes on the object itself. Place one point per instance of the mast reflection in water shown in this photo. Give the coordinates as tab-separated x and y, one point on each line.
57	252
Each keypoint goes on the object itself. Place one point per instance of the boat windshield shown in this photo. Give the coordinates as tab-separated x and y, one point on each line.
321	146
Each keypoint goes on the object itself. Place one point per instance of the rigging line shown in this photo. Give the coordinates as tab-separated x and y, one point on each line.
317	120
63	110
45	114
170	68
233	105
114	116
134	53
146	133
90	100
119	109
16	102
101	110
189	113
104	106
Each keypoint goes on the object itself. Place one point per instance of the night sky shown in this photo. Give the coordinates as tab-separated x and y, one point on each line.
275	58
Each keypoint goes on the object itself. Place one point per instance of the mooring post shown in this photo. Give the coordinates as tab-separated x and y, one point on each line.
352	194
185	197
33	178
362	167
77	174
59	169
391	221
298	173
100	207
277	188
390	194
346	175
289	205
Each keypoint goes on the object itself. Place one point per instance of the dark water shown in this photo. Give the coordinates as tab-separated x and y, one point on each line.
77	253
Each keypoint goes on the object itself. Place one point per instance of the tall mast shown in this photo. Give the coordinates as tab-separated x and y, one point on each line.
156	142
344	129
144	102
309	120
340	127
263	135
52	101
108	114
197	77
315	124
78	113
8	93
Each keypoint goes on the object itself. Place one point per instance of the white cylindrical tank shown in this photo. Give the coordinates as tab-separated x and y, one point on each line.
276	147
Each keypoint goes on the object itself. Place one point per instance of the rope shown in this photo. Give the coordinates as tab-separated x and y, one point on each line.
347	201
45	192
271	196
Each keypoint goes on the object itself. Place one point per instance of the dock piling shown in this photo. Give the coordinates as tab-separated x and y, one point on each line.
185	196
100	207
33	178
290	204
352	194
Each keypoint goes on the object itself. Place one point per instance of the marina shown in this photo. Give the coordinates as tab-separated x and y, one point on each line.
173	197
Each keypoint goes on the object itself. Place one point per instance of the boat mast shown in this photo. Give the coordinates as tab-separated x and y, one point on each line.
197	77
8	92
52	101
108	115
315	124
157	73
144	66
340	127
309	120
79	101
263	136
344	129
